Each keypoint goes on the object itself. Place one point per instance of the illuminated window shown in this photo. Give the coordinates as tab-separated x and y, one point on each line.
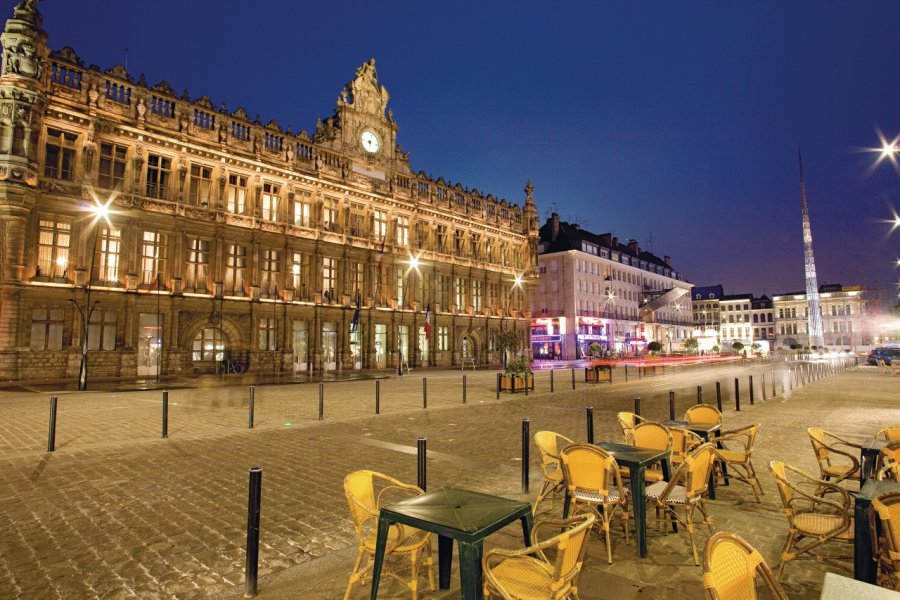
270	202
208	345
460	292
236	194
402	231
235	267
269	264
109	241
197	265
477	292
443	338
401	280
53	248
379	224
329	270
153	257
302	212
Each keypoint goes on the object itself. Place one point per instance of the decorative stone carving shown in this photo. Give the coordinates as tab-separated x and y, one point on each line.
22	60
368	96
93	95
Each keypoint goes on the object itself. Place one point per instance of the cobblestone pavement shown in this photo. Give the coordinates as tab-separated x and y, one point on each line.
118	512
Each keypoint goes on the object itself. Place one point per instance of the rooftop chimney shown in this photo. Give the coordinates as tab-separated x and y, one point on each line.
615	243
634	248
668	260
554	226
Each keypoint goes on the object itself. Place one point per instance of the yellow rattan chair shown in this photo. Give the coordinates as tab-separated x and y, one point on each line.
365	492
549	444
627	422
885	510
810	516
734	449
686	489
889	472
732	567
652	435
530	573
594	485
703	413
683	443
833	453
887	455
891	434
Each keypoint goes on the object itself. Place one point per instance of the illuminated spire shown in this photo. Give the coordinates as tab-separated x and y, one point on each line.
814	318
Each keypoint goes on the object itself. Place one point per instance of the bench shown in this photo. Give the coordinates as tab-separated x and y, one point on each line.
894	367
467	361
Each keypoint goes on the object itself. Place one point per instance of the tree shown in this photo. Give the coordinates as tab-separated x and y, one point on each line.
691	344
596	350
737	346
507	341
653	347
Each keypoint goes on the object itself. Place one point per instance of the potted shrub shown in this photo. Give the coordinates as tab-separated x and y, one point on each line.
653	348
517	375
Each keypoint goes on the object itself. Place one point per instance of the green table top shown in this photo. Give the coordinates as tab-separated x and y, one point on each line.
873	488
695	426
627	455
453	511
838	587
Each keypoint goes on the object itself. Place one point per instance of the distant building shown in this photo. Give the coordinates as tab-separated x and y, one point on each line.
592	289
233	237
844	316
721	320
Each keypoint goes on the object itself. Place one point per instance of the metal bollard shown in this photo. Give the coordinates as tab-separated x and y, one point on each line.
525	378
626	373
424	392
590	424
377	397
551	380
719	395
420	462
321	401
671	405
699	394
51	435
252	396
737	394
762	386
464	389
251	569
774	393
637	405
751	390
498	385
165	414
640	373
525	459
573	378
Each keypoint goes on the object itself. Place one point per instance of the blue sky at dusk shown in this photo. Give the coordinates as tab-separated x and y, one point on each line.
676	122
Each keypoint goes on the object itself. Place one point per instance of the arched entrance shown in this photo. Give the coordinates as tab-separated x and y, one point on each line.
213	341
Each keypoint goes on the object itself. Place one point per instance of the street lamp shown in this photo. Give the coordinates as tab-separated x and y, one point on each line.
99	211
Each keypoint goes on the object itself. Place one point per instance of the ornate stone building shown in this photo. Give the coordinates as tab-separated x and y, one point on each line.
229	238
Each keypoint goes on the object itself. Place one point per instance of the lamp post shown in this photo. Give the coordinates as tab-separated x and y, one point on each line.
100	211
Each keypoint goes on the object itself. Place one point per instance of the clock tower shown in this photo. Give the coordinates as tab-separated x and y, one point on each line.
366	127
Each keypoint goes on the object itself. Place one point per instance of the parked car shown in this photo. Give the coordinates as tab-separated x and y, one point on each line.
885	353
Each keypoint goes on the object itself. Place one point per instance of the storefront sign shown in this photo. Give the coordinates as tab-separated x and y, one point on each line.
546	338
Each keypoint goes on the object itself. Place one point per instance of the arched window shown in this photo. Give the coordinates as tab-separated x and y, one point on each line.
209	345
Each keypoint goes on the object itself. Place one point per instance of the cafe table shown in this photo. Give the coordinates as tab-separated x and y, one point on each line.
868	456
453	514
636	460
864	567
706	431
838	587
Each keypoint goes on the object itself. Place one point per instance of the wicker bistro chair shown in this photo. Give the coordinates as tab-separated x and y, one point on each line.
549	444
651	435
594	485
627	422
529	573
832	453
891	434
887	455
686	489
886	547
683	443
731	568
734	449
889	472
703	413
360	490
811	516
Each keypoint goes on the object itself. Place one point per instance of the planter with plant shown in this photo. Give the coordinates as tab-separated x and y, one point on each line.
517	375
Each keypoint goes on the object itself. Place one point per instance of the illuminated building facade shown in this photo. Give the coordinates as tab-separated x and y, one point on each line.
229	238
592	289
844	317
720	320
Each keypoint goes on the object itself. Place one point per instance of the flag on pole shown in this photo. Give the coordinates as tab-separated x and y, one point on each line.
428	322
354	325
381	252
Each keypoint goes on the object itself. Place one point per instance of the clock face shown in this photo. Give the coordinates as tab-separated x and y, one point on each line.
370	141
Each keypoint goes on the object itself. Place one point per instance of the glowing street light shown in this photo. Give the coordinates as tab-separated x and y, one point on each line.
100	212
